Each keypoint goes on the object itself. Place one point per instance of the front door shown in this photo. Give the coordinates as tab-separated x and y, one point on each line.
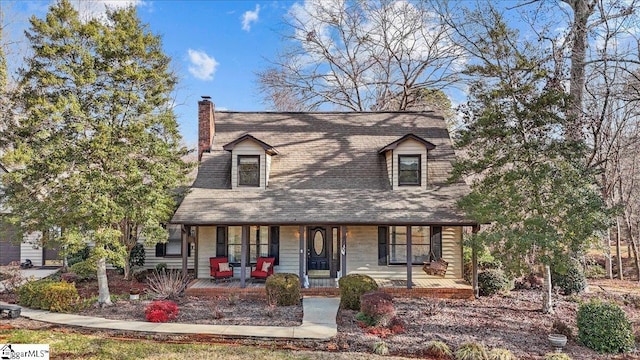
318	249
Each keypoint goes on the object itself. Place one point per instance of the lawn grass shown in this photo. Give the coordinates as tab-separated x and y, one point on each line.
71	346
78	346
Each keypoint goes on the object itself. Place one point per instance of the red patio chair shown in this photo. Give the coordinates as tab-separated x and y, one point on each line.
263	268
216	272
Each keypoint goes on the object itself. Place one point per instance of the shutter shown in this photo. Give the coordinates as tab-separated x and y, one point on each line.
383	243
274	243
221	241
436	241
188	249
161	249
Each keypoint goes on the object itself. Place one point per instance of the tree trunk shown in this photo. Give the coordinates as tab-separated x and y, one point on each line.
608	266
618	245
582	10
104	298
547	306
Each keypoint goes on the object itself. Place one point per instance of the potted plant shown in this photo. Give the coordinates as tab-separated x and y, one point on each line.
134	294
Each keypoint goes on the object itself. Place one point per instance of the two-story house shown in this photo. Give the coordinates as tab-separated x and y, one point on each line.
326	194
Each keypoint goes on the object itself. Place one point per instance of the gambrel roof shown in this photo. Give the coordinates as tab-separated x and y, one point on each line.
329	170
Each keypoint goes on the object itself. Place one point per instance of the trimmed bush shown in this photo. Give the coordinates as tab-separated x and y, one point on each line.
604	327
501	354
352	287
137	256
161	311
556	356
30	294
85	270
492	281
378	306
471	351
570	278
283	289
438	350
60	296
48	295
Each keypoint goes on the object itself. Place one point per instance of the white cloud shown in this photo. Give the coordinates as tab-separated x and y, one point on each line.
202	65
250	17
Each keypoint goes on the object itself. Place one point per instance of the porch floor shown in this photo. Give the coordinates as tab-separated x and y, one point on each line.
438	288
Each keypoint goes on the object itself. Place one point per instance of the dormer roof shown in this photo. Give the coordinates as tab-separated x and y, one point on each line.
267	148
417	138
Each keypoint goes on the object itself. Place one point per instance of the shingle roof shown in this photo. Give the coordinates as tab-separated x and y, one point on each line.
328	170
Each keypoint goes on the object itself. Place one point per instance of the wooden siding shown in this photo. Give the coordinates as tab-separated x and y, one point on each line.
289	250
206	248
247	147
267	169
362	255
31	249
410	147
389	160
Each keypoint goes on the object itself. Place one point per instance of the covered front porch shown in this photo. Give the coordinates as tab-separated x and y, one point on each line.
321	254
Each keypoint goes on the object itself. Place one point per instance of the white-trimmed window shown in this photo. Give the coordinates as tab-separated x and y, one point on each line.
409	168
248	170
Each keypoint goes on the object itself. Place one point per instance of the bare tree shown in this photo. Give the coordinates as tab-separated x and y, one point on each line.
358	55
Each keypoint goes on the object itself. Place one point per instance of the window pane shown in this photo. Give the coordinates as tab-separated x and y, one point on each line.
234	249
420	244
174	244
398	244
248	170
409	173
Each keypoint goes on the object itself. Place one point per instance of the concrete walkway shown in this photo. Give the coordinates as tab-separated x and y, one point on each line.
318	323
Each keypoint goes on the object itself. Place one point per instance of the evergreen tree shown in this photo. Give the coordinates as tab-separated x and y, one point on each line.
97	152
531	181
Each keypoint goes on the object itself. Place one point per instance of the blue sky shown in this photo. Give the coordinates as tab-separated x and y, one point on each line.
216	47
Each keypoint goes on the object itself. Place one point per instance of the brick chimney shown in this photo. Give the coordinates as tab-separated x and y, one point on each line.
206	125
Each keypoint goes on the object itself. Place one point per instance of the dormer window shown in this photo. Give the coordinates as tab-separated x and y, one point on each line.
248	170
409	167
250	162
406	160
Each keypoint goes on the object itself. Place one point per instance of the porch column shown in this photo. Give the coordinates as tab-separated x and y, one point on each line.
185	249
474	262
409	259
243	257
301	260
343	250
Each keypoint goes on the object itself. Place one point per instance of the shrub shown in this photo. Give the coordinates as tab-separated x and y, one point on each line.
438	350
85	270
167	284
492	281
78	256
365	319
471	351
604	327
160	267
283	289
530	281
60	296
501	354
31	294
137	256
556	356
486	261
161	311
380	348
377	306
352	287
570	278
